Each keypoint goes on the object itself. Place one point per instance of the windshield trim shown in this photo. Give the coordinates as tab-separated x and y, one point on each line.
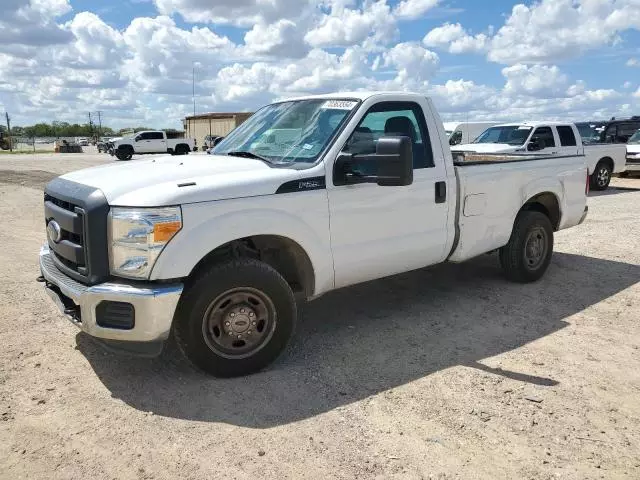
330	142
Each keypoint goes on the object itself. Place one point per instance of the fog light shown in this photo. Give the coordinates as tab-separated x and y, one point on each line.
119	315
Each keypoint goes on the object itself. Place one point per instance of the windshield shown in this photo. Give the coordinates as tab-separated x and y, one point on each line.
635	138
288	132
511	135
588	133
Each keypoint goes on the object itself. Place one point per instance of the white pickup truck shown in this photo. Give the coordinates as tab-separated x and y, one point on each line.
551	138
155	141
219	249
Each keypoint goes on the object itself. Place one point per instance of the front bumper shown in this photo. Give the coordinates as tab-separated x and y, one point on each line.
633	166
154	304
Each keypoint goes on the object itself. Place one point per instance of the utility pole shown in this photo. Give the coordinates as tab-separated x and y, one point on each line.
6	114
90	126
99	123
193	88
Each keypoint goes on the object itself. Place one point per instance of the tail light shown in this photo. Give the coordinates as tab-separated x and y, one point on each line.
586	186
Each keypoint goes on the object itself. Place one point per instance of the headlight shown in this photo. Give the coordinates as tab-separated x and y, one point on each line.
137	236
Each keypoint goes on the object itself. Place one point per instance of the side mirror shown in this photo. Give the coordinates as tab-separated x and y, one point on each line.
534	145
137	139
392	164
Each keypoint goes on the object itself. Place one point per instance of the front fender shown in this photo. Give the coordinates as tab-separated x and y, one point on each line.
204	230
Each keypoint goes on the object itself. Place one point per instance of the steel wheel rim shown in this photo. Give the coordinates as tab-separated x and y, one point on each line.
535	248
239	322
603	177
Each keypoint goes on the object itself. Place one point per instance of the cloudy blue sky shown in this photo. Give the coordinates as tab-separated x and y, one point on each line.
498	59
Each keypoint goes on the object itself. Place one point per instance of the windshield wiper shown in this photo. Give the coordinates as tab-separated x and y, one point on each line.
246	154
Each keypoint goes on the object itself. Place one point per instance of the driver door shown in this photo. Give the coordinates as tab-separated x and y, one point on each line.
377	231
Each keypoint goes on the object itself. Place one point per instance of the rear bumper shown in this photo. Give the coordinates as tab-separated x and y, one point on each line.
584	215
153	305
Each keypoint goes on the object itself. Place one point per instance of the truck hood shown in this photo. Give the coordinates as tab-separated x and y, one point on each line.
486	148
177	180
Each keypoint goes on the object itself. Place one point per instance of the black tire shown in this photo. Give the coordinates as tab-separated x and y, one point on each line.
196	336
182	149
124	153
601	177
516	256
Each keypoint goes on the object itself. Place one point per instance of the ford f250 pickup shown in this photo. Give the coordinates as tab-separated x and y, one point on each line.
552	138
219	249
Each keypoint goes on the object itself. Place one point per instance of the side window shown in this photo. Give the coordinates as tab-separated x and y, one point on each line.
567	137
393	119
144	136
544	136
625	130
155	135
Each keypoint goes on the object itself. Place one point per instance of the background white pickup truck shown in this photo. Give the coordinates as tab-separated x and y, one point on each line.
219	249
551	138
155	141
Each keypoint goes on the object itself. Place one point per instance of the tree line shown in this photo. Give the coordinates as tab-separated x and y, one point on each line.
65	129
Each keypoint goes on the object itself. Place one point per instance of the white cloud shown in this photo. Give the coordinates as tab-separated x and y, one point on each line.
553	30
633	62
414	64
236	12
455	39
282	38
31	24
637	93
345	26
411	9
537	80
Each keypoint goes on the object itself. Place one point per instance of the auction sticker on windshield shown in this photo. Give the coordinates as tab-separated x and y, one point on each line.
339	104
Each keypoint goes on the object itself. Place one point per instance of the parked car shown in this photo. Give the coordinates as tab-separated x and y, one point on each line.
552	138
619	130
633	153
153	141
467	132
82	141
219	251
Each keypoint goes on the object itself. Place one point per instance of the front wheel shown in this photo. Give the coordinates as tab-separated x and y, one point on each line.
601	177
235	318
527	255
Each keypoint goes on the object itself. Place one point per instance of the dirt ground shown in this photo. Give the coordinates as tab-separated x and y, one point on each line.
448	372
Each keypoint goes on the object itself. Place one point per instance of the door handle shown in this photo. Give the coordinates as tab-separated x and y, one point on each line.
441	192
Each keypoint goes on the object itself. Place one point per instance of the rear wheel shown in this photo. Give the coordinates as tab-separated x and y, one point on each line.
181	149
527	255
236	318
601	177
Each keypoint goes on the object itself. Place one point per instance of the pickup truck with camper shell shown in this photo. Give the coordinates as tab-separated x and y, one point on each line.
220	249
146	142
551	138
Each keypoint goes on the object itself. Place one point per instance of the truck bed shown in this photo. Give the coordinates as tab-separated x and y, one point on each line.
493	187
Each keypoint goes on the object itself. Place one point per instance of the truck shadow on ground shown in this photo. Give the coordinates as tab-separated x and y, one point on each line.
613	191
366	339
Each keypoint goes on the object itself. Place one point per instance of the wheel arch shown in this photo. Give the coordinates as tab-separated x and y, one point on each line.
607	161
546	203
282	253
